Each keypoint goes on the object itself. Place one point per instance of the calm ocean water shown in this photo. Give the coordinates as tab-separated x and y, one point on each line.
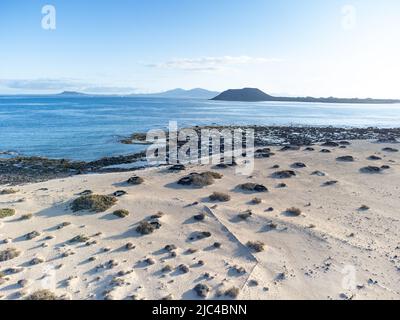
88	128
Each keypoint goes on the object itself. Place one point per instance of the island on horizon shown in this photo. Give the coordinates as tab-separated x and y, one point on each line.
256	95
237	95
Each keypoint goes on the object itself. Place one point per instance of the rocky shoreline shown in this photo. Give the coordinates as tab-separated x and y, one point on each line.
21	170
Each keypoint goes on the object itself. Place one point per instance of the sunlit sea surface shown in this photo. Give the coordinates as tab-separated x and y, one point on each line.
88	128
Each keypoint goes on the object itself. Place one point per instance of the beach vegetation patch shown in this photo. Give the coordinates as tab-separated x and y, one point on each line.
5	213
371	169
220	196
93	203
256	246
345	159
146	227
27	216
135	180
80	238
9	254
121	213
253	187
8	191
202	290
245	215
256	201
293	212
42	295
200	179
232	292
285	174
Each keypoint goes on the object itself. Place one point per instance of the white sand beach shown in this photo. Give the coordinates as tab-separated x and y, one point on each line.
343	244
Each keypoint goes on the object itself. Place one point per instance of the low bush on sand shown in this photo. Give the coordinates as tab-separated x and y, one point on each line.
256	201
146	227
32	235
245	215
285	174
80	238
256	246
9	254
42	295
374	158
5	213
8	191
298	165
232	292
202	290
27	216
219	196
135	180
294	212
253	187
345	159
371	169
200	179
93	203
121	213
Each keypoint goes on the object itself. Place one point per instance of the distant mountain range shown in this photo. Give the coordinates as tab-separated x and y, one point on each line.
197	93
245	95
256	95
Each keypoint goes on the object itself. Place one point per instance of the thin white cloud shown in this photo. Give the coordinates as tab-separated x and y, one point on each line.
39	84
47	85
211	63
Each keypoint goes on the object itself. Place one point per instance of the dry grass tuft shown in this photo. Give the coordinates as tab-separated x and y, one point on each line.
257	246
8	191
232	292
42	295
245	215
202	290
145	228
135	180
9	254
80	238
27	216
294	212
285	174
93	203
256	201
5	213
121	213
253	187
200	179
219	196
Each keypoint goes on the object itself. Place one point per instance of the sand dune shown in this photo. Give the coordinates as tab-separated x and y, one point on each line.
341	243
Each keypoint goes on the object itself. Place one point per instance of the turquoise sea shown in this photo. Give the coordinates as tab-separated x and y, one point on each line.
88	128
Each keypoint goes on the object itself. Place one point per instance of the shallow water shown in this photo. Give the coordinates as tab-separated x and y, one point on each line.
88	128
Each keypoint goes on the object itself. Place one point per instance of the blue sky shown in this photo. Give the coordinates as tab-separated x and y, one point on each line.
307	47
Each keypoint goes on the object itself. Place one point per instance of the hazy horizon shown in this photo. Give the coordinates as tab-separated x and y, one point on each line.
313	48
140	94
